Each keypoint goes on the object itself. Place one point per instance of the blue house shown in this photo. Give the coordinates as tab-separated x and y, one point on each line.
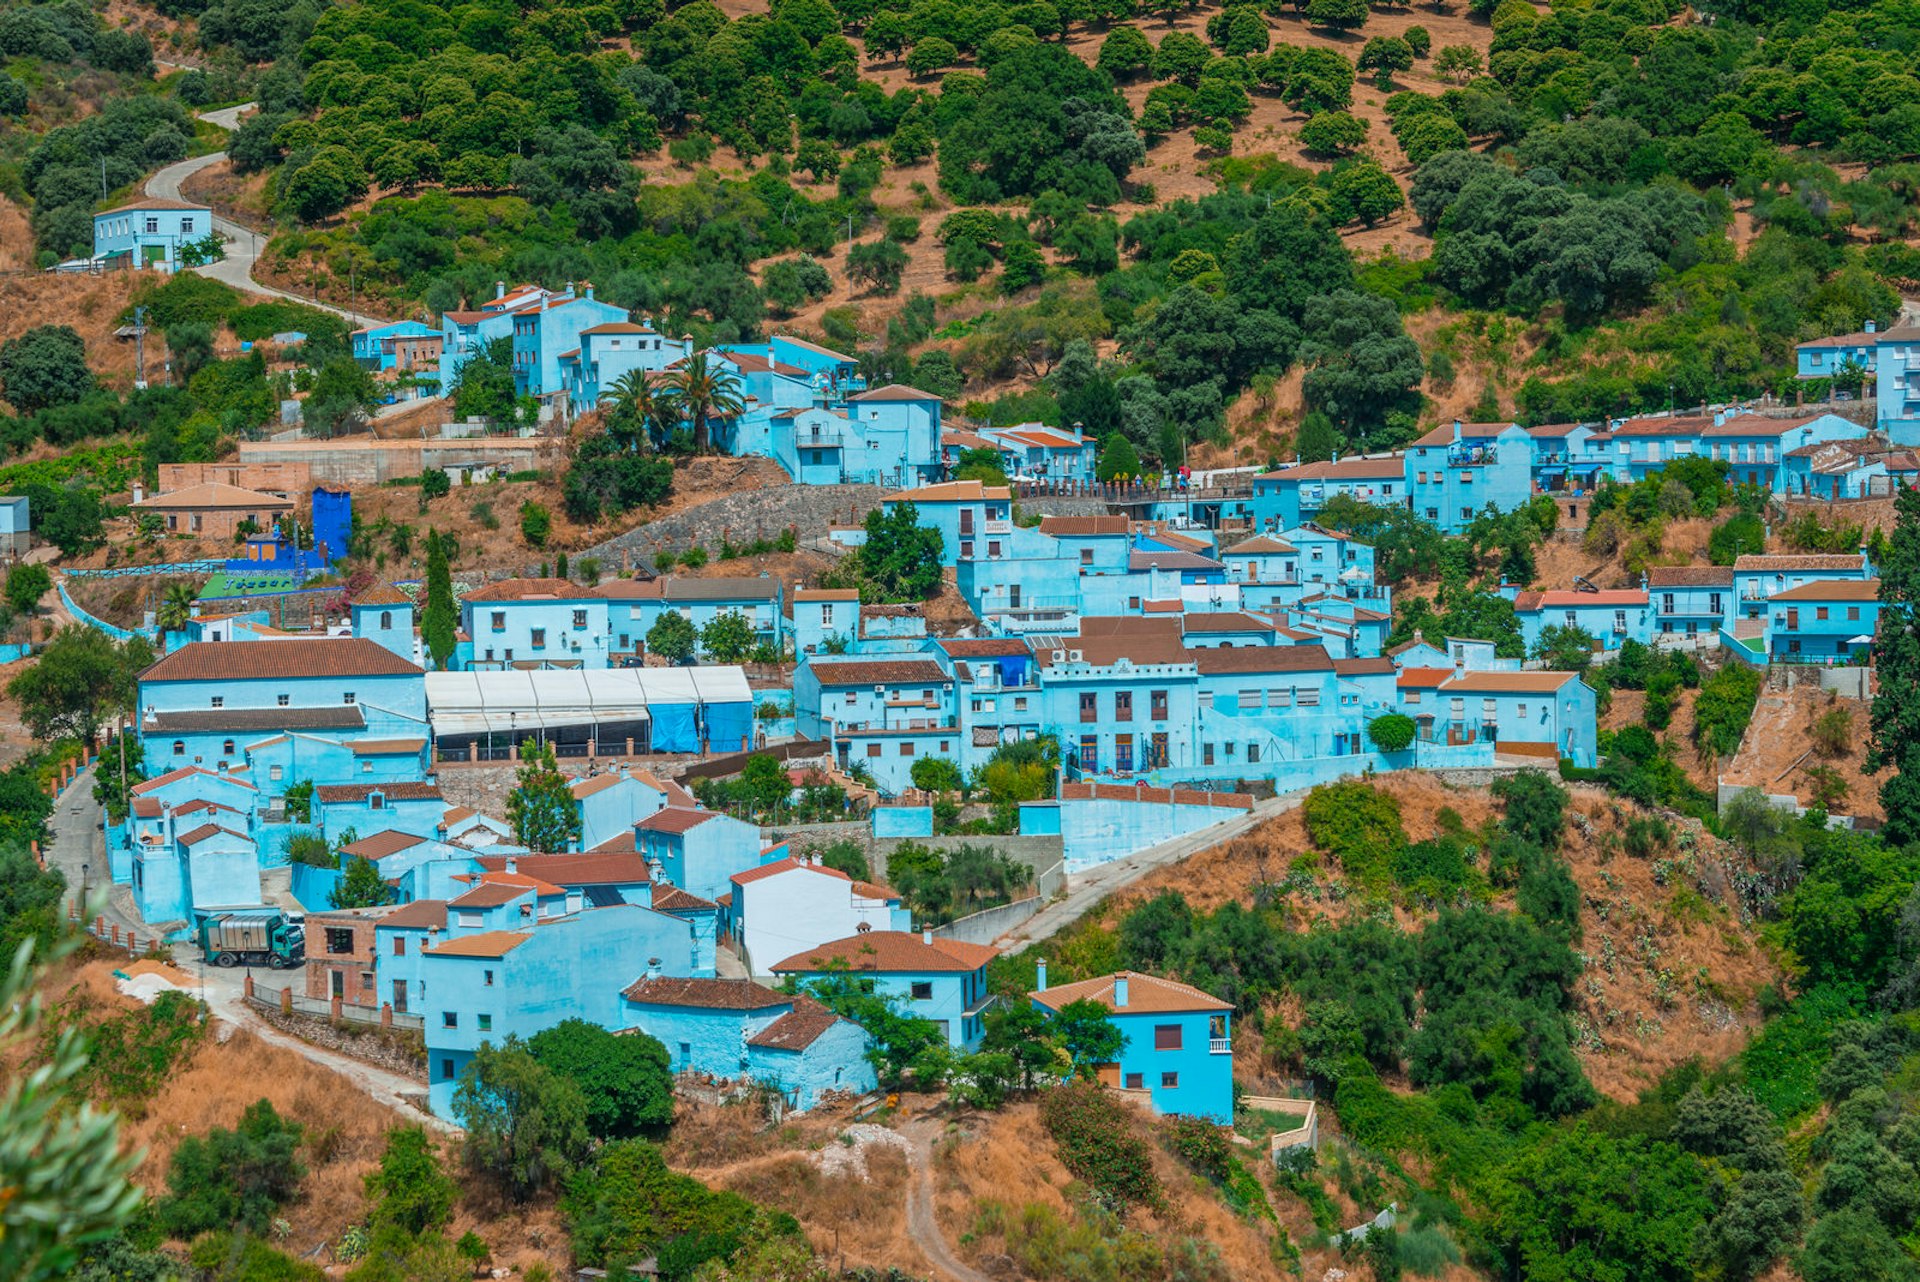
1120	695
536	623
149	233
879	713
974	519
201	704
483	985
1456	472
1610	617
383	614
1755	447
943	980
464	333
544	331
824	617
1897	384
380	348
1829	357
608	352
733	1029
1690	599
635	605
1564	459
1827	621
1258	706
415	807
1635	448
1294	495
1049	455
1758	578
193	868
1179	1040
1550	712
699	850
401	939
1844	469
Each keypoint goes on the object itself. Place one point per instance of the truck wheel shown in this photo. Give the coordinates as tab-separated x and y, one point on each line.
226	961
276	962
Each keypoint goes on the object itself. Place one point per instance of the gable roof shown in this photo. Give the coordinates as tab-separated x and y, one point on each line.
951	492
1227	660
675	819
669	898
489	894
707	994
1105	641
214	494
1082	526
894	392
382	594
421	914
791	863
1170	559
1443	434
153	203
1757	425
1690	576
397	790
279	660
1832	590
1423	678
878	672
815	347
532	589
1509	682
1224	621
205	831
1146	995
1261	543
1561	598
611	868
381	844
1364	667
892	952
1754	563
488	943
796	1030
328	716
184	772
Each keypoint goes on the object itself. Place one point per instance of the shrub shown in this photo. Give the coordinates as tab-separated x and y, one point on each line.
1724	708
536	523
237	1177
1359	826
1095	1138
1833	733
1392	732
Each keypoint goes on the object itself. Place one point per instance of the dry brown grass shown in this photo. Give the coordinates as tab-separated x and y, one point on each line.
1777	752
90	304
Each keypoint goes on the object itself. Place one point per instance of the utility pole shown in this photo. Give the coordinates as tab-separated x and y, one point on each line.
103	175
140	347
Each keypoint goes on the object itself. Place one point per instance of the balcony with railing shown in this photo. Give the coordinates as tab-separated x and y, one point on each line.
1220	1046
1465	455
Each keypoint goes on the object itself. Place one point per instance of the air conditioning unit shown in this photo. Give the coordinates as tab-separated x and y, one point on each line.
1075	656
946	687
1059	656
879	689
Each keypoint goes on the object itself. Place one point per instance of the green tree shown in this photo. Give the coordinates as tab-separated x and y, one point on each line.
1564	647
901	559
1318	439
1386	55
1086	1031
440	620
1117	459
81	679
1333	133
27	582
625	1078
1126	52
526	1124
936	774
930	54
878	265
233	1178
410	1191
1337	13
361	886
728	637
190	349
1391	732
541	809
671	637
484	385
638	410
536	523
341	396
176	607
706	391
47	365
67	1180
1362	189
434	484
1457	64
632	1205
1894	722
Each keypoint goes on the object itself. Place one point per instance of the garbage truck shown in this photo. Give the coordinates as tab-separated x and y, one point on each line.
252	937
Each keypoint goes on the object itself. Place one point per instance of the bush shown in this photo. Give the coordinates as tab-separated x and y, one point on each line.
1392	732
625	1077
630	1205
1833	733
1724	707
1359	826
229	1178
536	523
1096	1141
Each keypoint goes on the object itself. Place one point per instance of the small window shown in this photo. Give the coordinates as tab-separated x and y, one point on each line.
486	1023
179	748
339	939
922	990
217	701
1169	1081
539	638
449	1019
499	620
873	750
376	801
284	700
276	773
348	697
906	749
486	978
1166	1037
446	1069
399	945
1136	1081
579	618
386	618
226	748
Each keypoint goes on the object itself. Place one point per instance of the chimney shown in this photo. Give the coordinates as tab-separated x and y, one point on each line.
139	491
513	865
1040	976
926	937
1119	992
1417	637
586	289
1870	327
499	290
653	968
1456	431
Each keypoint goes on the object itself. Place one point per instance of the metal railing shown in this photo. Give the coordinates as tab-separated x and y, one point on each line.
288	1001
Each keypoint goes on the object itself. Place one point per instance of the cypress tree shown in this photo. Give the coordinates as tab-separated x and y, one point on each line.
442	615
1896	653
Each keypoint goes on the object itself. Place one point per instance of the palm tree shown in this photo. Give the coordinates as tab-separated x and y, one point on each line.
176	607
636	408
708	391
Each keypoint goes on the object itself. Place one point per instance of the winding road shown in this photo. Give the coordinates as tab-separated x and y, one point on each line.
243	244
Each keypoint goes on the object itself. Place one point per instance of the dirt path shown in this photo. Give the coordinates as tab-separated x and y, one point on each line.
922	1225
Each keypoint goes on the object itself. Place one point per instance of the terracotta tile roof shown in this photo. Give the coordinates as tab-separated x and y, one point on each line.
617	327
383	594
675	819
584	788
489	894
1157	796
488	943
1224	621
394	791
1226	660
874	672
894	392
1832	590
966	440
1082	526
1554	429
789	864
1423	678
984	647
1807	561
1859	338
1685	425
615	868
532	590
1391	467
332	716
707	994
1364	667
381	844
1164	607
1153	558
279	660
892	952
1174	539
384	747
1562	598
1690	576
1261	543
952	492
1509	682
796	1030
214	494
1105	640
146	807
183	772
154	203
421	914
669	898
826	594
205	831
1758	425
1443	434
874	890
1146	995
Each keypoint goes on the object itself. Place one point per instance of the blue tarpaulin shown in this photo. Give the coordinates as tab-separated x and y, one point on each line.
729	726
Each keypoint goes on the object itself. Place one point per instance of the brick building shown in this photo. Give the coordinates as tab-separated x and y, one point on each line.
340	955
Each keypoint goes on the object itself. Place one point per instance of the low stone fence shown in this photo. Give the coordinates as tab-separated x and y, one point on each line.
1044	856
1307	1134
288	1002
989	924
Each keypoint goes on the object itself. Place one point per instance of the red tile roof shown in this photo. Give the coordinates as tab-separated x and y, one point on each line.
671	899
1146	994
708	994
1832	590
396	790
1807	561
1690	576
864	672
789	864
421	914
1157	796
532	590
1562	598
892	952
279	660
488	943
796	1030
1509	682
1082	526
613	868
488	895
675	819
381	844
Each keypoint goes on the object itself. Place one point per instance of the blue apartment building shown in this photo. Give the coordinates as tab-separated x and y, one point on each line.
1755	447
1609	617
698	850
1757	578
1828	357
732	1029
1827	621
1690	599
1051	455
1179	1040
1294	495
942	980
1456	472
543	332
535	623
1565	458
413	806
633	606
522	974
205	702
608	352
149	234
975	520
1553	712
881	714
824	617
1121	695
1256	706
1897	385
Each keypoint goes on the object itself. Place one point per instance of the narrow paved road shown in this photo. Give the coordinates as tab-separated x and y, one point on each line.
243	244
1086	889
78	848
